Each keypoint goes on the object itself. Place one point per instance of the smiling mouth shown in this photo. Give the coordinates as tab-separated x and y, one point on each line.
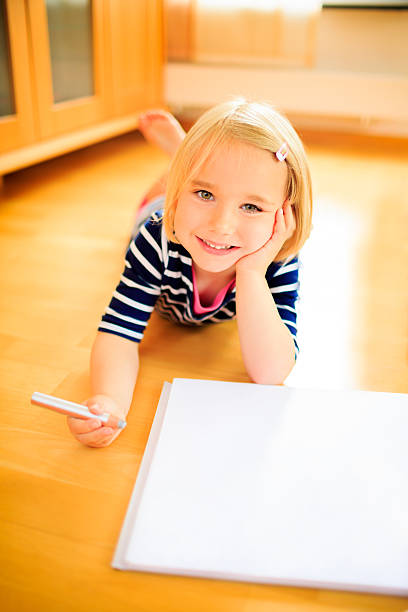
217	247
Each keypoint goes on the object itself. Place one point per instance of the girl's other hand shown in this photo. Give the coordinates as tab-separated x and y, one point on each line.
283	229
92	432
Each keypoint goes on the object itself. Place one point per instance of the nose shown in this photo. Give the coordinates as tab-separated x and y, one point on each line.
222	221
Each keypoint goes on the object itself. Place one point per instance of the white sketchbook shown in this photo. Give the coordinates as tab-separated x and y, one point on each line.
273	485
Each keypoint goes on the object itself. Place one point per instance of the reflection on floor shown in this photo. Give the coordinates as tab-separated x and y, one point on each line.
353	309
64	226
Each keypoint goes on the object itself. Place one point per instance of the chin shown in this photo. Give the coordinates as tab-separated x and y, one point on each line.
215	267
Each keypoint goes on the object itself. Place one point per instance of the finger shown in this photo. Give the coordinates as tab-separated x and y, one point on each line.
279	223
97	438
95	409
100	443
93	406
288	210
289	219
79	426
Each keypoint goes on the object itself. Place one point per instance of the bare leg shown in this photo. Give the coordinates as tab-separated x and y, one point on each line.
157	189
162	129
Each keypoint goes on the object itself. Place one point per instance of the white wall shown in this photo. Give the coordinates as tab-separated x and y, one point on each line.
359	83
374	41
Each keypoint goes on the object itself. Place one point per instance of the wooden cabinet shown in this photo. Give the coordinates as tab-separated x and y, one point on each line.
74	72
16	112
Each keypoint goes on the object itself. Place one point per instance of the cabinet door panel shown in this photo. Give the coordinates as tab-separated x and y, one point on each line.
7	106
16	110
68	53
137	54
70	34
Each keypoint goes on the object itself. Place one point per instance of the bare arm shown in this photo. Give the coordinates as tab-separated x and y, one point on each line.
267	347
114	370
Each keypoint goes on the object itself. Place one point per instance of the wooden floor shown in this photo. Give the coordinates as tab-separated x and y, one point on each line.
63	227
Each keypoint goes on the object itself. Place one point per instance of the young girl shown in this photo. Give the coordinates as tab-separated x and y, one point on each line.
236	212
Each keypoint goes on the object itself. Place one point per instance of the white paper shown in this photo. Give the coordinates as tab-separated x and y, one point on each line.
277	485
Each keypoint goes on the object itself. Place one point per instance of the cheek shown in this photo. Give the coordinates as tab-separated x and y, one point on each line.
187	217
177	219
180	217
259	234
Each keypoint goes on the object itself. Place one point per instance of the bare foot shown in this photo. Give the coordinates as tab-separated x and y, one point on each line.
162	129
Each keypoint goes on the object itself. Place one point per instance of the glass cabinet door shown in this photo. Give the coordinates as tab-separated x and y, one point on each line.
17	125
74	72
69	63
7	106
71	48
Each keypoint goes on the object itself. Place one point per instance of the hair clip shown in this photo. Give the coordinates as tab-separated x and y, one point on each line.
283	151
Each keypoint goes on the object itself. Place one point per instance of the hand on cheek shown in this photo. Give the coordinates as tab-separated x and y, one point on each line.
284	224
283	229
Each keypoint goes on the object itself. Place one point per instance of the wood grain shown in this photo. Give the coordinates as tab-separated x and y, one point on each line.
64	226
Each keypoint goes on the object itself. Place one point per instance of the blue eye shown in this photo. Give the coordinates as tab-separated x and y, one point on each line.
251	208
204	195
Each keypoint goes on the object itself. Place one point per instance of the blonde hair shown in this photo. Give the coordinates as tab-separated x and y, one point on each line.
253	123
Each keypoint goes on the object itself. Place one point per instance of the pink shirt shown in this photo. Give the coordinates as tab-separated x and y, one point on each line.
198	308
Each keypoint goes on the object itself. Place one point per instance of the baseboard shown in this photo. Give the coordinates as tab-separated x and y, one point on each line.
349	102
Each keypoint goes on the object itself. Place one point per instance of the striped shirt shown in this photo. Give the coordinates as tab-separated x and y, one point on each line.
159	275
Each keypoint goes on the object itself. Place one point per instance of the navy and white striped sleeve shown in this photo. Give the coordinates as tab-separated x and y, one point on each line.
283	281
135	296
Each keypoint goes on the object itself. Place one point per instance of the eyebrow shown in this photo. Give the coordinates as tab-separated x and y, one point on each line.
253	197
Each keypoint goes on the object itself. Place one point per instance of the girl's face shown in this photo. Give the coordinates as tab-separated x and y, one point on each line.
228	210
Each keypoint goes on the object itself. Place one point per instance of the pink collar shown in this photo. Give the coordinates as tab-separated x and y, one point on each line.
198	308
